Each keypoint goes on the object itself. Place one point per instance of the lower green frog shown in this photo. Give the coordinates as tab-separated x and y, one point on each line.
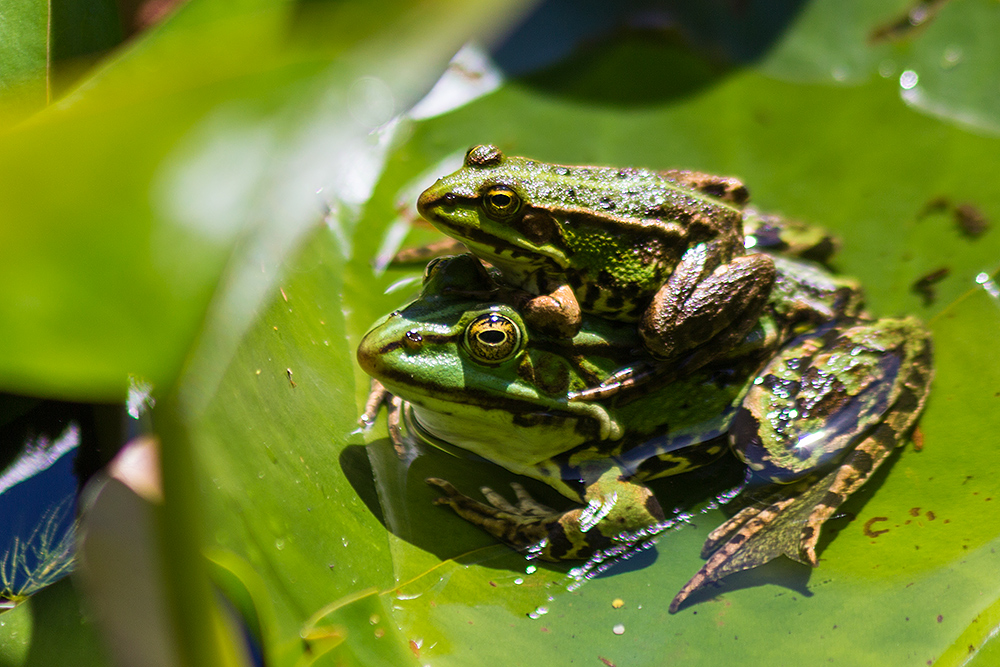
813	399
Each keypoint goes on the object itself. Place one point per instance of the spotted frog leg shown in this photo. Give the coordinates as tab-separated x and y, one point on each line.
846	396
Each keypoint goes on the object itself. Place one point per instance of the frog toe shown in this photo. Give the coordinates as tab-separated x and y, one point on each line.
527	504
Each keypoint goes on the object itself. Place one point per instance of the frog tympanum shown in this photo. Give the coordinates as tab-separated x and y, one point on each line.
813	396
661	248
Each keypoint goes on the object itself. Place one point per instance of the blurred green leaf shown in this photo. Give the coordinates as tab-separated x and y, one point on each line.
24	53
48	629
45	46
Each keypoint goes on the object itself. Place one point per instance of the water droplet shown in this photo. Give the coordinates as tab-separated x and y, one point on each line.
279	544
260	475
908	79
618	629
373	619
518	581
530	569
989	285
539	611
344	541
952	56
886	69
839	73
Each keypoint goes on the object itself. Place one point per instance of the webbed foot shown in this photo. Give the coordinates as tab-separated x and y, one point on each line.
522	525
618	512
789	521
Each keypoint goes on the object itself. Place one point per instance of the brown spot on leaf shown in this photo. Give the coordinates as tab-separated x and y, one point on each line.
931	516
868	526
971	220
914	511
924	285
906	25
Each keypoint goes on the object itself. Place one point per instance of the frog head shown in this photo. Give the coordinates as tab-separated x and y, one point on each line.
476	376
543	225
500	207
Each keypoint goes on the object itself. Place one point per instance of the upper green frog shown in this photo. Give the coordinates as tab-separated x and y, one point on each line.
814	398
664	248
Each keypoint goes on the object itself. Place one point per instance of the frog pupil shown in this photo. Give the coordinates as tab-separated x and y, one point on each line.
492	337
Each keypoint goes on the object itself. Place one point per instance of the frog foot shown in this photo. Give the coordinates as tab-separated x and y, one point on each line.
789	522
522	525
557	314
395	412
617	511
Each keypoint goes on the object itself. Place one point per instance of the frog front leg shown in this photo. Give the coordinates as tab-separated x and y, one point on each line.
842	398
557	313
616	509
703	308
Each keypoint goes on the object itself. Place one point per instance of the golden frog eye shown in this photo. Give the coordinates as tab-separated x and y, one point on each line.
492	338
483	155
501	203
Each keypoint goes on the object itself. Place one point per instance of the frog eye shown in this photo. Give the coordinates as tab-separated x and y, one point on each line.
433	267
501	203
483	155
492	338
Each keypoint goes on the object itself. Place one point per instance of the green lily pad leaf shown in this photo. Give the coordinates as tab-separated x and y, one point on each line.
917	538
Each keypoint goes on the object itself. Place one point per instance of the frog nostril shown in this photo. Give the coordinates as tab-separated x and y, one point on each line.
450	199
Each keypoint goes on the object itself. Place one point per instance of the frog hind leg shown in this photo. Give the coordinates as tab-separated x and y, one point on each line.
618	511
706	310
789	522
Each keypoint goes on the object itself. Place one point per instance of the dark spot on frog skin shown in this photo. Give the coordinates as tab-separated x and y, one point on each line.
744	430
538	226
829	394
615	302
861	461
781	387
672	213
589	297
868	526
831	499
914	511
930	515
559	544
654	509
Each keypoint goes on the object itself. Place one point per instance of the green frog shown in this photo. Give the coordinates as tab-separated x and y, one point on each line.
813	398
665	249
